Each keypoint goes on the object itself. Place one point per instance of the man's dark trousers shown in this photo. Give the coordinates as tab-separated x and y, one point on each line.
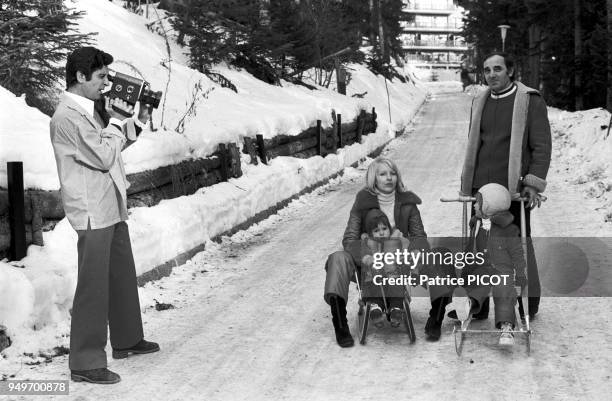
106	295
533	276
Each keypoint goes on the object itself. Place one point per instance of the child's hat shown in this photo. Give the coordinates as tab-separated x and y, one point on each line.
373	218
495	199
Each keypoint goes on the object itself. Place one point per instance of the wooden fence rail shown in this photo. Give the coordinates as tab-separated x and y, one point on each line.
43	209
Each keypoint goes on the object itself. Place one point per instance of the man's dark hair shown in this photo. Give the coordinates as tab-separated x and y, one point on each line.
508	61
87	60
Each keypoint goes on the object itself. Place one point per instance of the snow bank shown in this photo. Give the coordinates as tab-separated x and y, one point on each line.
583	150
219	115
22	127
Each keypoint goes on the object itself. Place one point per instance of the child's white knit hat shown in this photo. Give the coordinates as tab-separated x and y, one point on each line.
495	199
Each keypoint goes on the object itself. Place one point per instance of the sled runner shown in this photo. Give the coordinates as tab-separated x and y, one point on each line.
522	327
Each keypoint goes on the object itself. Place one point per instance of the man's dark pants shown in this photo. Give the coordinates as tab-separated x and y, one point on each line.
532	267
106	294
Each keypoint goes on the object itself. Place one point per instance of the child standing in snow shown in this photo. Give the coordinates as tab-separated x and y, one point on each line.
379	238
499	238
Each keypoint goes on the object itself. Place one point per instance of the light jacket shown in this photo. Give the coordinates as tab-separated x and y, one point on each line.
530	143
90	168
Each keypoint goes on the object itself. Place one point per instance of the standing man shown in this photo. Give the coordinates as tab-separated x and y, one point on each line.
93	188
509	144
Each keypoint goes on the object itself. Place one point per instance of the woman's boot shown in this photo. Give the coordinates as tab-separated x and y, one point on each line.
433	327
338	310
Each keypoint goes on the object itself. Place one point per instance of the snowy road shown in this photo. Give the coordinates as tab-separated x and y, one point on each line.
250	321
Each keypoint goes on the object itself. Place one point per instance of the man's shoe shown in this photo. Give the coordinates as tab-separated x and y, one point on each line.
143	347
483	314
506	338
433	329
376	316
395	317
97	376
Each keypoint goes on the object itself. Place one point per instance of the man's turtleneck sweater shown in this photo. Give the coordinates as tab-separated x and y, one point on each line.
387	206
495	129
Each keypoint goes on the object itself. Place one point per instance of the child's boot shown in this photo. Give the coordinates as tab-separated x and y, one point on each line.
506	338
376	316
395	317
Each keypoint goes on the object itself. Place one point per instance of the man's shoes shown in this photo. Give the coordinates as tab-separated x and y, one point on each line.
433	329
143	347
483	314
97	376
395	317
533	308
506	338
376	316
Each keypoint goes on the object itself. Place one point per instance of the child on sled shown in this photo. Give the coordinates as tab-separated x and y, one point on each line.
381	239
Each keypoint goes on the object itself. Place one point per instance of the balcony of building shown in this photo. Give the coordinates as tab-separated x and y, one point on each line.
432	27
434	45
436	60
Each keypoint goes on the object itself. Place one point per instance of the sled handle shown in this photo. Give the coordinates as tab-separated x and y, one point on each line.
462	198
465	198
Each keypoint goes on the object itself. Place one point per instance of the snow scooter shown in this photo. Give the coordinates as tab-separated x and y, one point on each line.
522	327
365	303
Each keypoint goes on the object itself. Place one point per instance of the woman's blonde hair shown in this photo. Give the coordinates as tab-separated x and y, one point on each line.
373	169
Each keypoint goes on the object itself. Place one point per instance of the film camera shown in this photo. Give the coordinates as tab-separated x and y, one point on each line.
132	90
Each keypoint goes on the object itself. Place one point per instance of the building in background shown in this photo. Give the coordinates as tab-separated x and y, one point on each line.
432	39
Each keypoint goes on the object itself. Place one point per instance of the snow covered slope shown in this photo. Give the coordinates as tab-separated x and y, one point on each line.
219	115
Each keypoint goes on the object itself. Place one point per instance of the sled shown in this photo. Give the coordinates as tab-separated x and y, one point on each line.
363	314
522	328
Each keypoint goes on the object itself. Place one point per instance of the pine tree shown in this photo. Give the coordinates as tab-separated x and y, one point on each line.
542	38
35	37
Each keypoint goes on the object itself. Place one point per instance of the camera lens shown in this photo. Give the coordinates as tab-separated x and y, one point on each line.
150	97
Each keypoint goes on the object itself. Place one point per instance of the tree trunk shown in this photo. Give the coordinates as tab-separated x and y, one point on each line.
578	100
373	24
535	34
609	97
381	31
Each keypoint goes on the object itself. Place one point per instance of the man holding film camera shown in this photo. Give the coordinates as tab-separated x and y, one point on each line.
93	188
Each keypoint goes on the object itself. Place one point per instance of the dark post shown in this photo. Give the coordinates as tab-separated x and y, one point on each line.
319	139
361	120
250	148
16	210
339	130
340	77
224	162
375	124
261	148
